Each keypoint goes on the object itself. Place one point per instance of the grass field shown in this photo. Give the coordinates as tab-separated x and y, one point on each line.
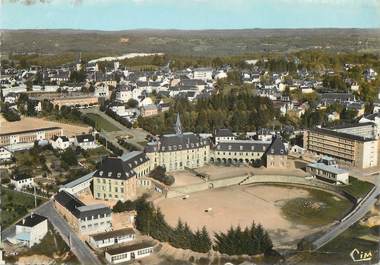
15	205
358	188
337	251
102	124
325	208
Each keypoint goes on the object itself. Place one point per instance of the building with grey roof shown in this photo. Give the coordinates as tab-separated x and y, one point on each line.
118	177
85	219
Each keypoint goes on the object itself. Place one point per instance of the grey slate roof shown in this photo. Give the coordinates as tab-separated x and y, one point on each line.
174	142
242	146
115	168
85	138
78	208
277	147
31	220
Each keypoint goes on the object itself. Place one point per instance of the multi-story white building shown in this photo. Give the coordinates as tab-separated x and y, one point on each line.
355	145
60	142
102	91
22	181
5	154
31	230
85	141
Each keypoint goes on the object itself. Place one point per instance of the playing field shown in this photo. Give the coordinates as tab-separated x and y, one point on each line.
240	205
30	123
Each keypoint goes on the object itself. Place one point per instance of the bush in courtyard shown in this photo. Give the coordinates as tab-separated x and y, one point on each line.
159	173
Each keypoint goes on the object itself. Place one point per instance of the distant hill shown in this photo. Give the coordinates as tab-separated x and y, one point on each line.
195	42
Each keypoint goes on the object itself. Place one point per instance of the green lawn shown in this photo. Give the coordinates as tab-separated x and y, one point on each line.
319	209
358	188
101	123
15	205
337	251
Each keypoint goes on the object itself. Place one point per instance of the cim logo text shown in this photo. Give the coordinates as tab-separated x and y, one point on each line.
358	256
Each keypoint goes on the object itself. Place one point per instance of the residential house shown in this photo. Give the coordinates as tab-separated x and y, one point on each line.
60	142
22	181
31	230
85	141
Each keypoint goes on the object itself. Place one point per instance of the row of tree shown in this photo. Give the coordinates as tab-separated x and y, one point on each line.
250	241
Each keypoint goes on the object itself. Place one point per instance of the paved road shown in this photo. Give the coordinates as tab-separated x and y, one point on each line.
336	230
138	134
358	214
78	247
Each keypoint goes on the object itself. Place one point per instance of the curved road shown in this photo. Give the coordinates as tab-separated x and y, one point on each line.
358	213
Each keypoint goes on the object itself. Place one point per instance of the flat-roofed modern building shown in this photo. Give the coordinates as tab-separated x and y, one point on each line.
29	136
330	173
85	219
106	239
130	252
355	146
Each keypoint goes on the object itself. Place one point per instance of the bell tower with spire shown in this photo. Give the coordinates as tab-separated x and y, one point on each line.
178	126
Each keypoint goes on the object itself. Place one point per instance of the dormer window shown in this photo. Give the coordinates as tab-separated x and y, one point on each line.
118	175
101	173
241	147
229	147
252	147
109	174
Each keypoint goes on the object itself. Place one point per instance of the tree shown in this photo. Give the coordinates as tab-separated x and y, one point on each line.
69	157
132	103
159	173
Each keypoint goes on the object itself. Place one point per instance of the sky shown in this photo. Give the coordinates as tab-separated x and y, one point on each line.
188	14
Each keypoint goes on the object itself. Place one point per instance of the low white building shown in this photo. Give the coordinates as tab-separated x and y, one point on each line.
21	182
130	252
110	238
60	142
31	230
326	168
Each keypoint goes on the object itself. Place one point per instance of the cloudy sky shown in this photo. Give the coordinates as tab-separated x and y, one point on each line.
188	14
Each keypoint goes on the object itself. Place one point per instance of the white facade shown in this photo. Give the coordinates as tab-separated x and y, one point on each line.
102	91
30	233
204	74
128	253
60	143
5	154
112	238
22	183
